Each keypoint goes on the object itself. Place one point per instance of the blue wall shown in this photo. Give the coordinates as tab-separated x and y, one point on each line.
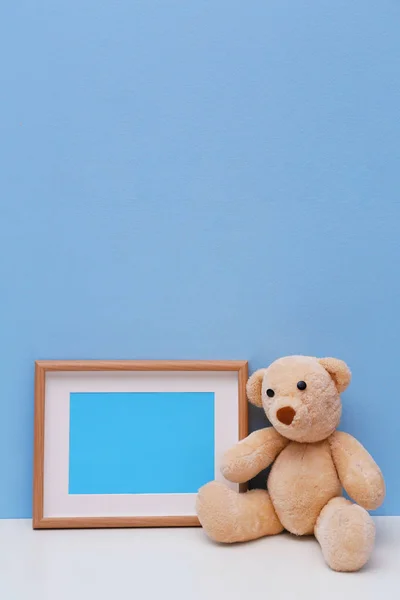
200	180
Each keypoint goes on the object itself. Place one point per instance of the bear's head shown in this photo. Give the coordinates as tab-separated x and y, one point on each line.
300	395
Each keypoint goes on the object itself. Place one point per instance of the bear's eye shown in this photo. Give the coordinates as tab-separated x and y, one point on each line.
270	393
301	385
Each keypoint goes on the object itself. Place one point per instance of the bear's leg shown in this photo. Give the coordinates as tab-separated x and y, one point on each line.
346	533
228	516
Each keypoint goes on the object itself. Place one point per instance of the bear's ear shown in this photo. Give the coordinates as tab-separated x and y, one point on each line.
338	370
253	387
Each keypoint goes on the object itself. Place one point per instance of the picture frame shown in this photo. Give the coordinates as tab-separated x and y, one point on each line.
96	423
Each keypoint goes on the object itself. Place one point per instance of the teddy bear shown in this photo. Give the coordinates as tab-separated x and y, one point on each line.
311	463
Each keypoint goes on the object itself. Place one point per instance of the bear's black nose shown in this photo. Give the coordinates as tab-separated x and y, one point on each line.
286	415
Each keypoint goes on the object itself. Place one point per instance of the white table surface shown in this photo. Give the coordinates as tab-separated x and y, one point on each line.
183	563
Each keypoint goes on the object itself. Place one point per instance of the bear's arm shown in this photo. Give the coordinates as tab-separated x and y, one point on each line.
252	455
357	470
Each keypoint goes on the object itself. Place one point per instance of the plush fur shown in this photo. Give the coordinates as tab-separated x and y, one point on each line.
312	462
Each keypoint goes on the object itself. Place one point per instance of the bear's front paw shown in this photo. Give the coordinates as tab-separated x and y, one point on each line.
236	464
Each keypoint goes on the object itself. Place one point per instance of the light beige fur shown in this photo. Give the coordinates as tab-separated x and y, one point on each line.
312	462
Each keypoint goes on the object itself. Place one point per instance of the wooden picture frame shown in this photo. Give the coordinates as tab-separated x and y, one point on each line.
53	382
